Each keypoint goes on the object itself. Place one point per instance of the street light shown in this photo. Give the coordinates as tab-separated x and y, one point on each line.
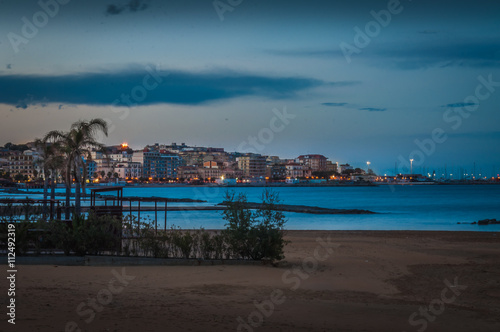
411	166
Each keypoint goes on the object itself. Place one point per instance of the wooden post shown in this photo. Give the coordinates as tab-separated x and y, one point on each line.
138	216
51	210
130	209
165	214
58	211
156	216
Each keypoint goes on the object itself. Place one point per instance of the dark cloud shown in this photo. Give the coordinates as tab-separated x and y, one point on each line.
415	55
25	102
373	109
458	105
354	106
441	54
114	10
334	104
132	6
137	5
428	32
139	87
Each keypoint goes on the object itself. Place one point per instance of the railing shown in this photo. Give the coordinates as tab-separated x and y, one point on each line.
12	210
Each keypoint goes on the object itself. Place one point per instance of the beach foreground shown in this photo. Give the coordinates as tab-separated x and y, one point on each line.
345	281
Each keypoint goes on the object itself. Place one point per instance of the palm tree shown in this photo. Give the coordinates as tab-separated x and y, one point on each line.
51	161
44	160
77	145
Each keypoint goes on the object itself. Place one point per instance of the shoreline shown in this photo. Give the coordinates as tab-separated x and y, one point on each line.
267	185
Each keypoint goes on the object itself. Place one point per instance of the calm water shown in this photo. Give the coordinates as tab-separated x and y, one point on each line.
400	207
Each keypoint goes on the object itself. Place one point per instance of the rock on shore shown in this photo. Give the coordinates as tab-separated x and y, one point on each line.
488	222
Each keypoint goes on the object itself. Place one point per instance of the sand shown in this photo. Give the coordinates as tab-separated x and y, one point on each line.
353	281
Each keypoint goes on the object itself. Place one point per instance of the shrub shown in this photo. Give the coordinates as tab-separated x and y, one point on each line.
184	241
61	235
206	244
27	237
92	235
256	235
152	243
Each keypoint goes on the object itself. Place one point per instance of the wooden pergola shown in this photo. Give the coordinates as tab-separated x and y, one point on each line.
113	205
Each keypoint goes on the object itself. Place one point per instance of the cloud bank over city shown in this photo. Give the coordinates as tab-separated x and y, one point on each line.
365	79
149	87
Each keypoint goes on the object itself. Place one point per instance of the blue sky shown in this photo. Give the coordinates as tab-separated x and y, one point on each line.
184	71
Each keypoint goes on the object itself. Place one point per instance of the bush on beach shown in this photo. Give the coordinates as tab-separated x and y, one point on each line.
255	235
90	235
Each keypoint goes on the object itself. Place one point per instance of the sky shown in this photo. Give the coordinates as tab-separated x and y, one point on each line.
357	81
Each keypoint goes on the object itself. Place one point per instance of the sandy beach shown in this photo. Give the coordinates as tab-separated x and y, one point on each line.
329	281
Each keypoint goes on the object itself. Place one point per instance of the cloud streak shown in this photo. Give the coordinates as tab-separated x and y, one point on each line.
458	105
417	55
373	109
334	104
174	87
352	106
133	6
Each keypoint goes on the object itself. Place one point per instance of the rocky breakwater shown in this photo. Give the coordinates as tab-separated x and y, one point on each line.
305	209
488	222
484	222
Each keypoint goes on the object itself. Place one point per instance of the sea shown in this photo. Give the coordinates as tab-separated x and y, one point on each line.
397	207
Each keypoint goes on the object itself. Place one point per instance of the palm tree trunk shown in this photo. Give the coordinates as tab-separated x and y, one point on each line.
77	198
52	192
84	181
53	184
77	193
68	192
45	191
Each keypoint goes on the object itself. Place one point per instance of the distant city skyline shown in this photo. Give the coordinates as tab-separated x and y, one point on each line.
446	171
377	81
